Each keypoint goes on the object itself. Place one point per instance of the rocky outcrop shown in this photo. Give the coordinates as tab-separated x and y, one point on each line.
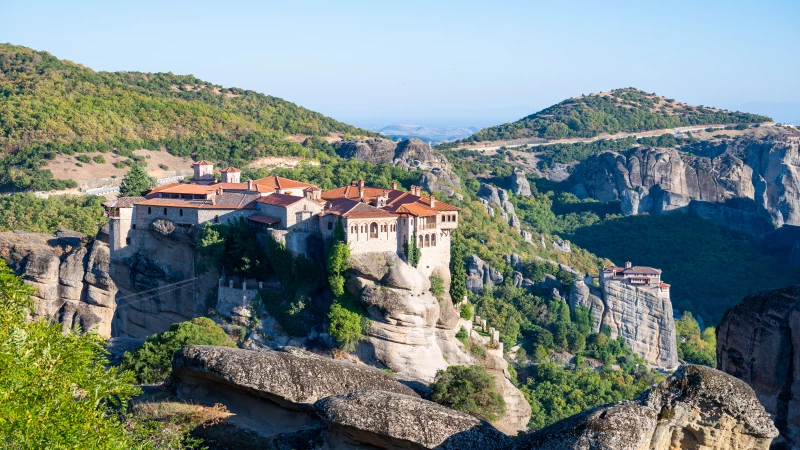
491	195
758	342
480	275
71	274
696	408
519	184
747	185
639	315
388	420
290	377
410	152
441	180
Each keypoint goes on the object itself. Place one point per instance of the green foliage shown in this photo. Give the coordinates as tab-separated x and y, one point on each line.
467	311
84	159
458	271
469	390
152	362
412	252
623	110
233	246
137	182
45	215
437	286
337	264
55	391
710	269
346	325
693	346
99	159
556	393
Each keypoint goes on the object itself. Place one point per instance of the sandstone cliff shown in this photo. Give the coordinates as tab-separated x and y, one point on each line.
758	342
643	318
385	151
744	184
696	408
70	272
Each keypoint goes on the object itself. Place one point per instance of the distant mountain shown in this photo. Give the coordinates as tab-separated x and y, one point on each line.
54	106
620	110
435	135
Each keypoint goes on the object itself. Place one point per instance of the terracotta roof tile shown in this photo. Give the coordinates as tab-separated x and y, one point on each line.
275	182
281	200
353	209
203	162
230	169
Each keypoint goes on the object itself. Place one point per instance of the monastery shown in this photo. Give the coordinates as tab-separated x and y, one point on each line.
294	213
639	276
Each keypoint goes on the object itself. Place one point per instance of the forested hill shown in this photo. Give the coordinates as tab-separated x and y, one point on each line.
54	106
621	110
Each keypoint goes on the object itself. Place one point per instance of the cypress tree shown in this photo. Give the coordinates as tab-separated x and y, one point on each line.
458	272
137	182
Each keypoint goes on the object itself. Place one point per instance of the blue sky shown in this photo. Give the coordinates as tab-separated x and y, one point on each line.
467	63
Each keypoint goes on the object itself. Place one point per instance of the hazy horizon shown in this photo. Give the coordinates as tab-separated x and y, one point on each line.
448	64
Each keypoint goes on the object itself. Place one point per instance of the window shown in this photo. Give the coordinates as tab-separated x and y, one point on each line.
165	211
133	226
180	212
149	211
330	225
373	230
216	219
433	240
383	228
427	240
127	241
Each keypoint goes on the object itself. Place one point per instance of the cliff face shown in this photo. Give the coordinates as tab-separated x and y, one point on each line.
413	333
71	274
386	151
747	185
643	318
758	342
159	285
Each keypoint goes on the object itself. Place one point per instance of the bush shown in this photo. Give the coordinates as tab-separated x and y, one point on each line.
345	326
163	167
152	363
84	159
467	311
469	390
99	159
437	287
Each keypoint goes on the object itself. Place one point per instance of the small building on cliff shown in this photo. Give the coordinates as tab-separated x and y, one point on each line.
639	276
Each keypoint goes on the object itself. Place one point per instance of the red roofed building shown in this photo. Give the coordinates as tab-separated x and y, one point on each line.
640	276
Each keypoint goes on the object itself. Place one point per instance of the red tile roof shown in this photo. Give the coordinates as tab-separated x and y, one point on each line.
395	198
181	188
227	200
203	162
230	169
275	182
416	209
352	209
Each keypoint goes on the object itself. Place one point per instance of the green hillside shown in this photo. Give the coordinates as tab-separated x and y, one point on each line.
54	106
621	110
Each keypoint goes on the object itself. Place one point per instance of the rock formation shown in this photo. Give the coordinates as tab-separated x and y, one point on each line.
747	185
757	342
519	184
696	408
643	318
389	420
71	274
441	180
493	195
481	275
409	152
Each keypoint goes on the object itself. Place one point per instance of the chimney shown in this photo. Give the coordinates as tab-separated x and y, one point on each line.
628	264
251	185
433	200
413	189
361	183
352	182
394	185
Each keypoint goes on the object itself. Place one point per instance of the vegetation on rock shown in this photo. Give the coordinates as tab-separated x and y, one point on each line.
694	346
152	362
30	213
469	390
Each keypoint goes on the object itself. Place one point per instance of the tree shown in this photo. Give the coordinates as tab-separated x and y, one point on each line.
345	326
152	362
469	390
338	231
337	264
55	389
137	182
412	252
211	249
458	272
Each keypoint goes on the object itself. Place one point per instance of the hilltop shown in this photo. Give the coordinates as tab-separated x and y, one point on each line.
53	106
621	110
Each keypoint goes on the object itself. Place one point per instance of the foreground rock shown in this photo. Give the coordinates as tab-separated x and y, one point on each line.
744	184
696	408
389	420
293	378
71	274
758	342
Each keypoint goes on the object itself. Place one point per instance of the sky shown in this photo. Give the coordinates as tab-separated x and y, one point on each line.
440	63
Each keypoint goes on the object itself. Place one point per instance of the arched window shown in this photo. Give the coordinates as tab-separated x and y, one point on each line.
433	240
180	212
165	211
354	229
383	228
427	240
373	230
419	241
149	211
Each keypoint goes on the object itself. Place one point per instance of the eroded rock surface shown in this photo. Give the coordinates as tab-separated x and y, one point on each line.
389	420
743	184
757	342
71	274
696	408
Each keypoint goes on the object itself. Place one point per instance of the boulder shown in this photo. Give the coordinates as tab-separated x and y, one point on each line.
757	342
481	275
519	184
696	408
391	420
443	181
292	378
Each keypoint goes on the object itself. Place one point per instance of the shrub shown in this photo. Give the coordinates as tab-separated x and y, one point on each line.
163	167
345	326
437	287
84	159
469	390
152	362
99	159
467	311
